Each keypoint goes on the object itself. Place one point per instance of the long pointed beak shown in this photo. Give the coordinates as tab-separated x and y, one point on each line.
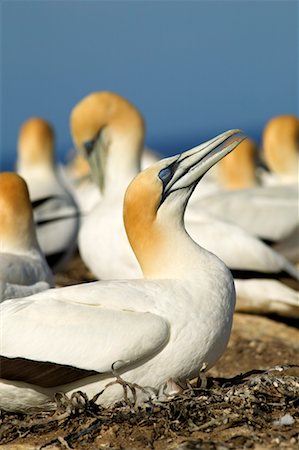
193	164
97	169
96	161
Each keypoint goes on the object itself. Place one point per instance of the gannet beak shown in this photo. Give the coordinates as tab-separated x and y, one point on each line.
186	170
96	159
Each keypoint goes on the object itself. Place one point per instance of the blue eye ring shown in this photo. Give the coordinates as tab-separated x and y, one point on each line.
89	145
165	175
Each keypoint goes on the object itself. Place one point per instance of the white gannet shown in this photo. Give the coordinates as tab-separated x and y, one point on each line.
112	138
167	326
77	173
23	268
245	167
55	212
239	169
280	149
276	201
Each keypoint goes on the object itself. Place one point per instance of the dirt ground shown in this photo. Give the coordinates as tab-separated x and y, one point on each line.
221	410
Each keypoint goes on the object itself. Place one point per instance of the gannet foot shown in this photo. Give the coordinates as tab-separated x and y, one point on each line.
202	381
77	402
127	386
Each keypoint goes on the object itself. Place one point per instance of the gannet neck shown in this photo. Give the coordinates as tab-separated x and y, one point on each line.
36	144
109	131
37	177
41	171
160	242
122	165
17	232
281	146
237	170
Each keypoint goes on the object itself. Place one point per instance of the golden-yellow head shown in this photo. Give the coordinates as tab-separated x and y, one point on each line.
108	110
237	170
109	131
36	142
281	145
16	218
156	199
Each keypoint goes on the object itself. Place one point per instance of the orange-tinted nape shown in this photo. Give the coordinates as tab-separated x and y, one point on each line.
237	169
141	204
105	109
36	142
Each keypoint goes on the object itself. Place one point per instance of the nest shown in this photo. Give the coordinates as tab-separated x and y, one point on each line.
260	407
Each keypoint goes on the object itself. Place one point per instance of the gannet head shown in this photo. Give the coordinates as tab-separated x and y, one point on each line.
105	127
156	199
36	143
281	146
237	170
17	230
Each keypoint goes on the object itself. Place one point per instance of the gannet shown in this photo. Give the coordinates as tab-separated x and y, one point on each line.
238	170
276	200
109	107
55	212
167	326
280	149
113	151
23	268
245	167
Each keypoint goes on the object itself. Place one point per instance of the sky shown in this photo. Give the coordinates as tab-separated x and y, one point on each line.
193	68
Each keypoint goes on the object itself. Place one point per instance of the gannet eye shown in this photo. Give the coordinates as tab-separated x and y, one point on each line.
165	175
88	145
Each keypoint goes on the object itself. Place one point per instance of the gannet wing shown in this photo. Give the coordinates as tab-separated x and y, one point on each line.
257	209
9	290
266	296
88	337
238	249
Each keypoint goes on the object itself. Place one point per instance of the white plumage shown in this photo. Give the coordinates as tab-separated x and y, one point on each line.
269	212
167	326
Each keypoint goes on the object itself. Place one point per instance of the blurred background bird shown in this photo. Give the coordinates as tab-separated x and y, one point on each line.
55	212
280	149
23	268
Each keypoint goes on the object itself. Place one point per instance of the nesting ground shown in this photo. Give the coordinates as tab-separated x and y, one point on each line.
258	410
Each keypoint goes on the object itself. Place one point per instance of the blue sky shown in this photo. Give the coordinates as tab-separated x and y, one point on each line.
194	68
